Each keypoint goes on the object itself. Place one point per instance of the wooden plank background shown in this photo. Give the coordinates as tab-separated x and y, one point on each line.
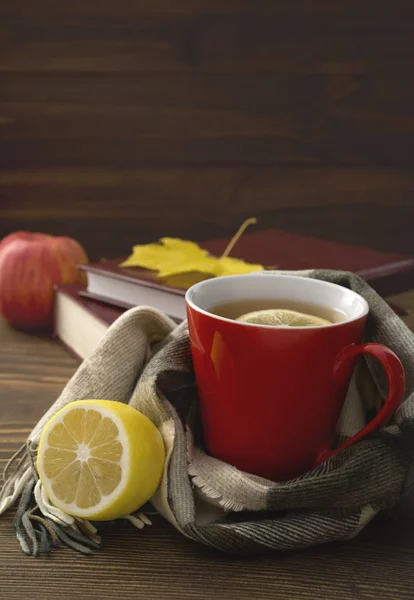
125	121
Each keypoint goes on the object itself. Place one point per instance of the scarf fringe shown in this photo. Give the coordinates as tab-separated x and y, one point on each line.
139	520
209	492
38	524
49	529
206	489
49	511
18	457
18	482
13	473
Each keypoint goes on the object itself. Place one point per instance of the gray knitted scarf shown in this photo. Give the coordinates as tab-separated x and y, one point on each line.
144	360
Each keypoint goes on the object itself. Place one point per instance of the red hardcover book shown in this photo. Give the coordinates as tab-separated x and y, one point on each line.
80	322
131	286
388	273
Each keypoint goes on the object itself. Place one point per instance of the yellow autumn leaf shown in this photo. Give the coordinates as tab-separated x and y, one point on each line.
185	261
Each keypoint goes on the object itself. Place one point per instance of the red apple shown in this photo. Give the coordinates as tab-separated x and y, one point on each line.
31	264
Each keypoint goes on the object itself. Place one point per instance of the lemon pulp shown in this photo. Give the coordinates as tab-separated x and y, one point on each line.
100	459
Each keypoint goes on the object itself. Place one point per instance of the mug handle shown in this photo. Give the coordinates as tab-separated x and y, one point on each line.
396	387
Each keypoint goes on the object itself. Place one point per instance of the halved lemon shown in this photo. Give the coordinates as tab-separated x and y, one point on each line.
280	317
100	459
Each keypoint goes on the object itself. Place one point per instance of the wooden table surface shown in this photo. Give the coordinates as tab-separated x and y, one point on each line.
158	562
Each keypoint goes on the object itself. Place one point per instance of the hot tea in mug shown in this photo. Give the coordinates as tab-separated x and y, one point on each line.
271	395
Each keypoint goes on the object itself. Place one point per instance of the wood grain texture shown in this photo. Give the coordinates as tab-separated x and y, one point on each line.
183	118
194	119
110	210
158	562
336	38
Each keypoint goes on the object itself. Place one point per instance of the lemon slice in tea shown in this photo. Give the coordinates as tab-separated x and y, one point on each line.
280	317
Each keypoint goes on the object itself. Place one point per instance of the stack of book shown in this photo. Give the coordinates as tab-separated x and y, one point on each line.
83	314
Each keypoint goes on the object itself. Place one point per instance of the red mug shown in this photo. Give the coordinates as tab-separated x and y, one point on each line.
270	397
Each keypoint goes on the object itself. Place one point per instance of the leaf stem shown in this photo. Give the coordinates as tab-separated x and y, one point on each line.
237	235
